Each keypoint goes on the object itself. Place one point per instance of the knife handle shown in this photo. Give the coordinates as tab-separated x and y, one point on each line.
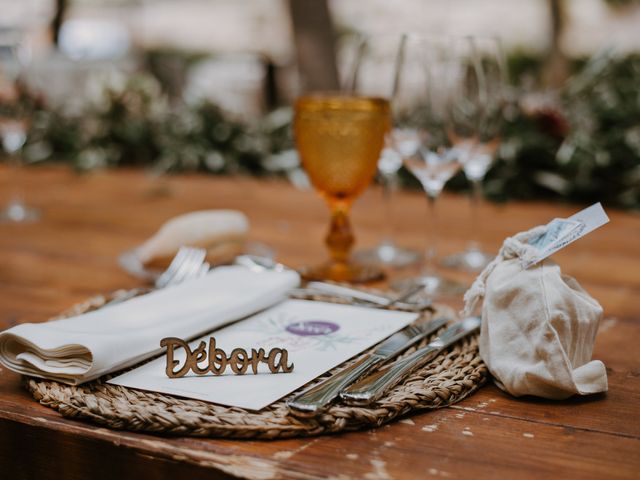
372	387
316	399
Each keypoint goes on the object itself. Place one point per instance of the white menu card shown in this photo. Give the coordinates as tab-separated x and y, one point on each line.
317	335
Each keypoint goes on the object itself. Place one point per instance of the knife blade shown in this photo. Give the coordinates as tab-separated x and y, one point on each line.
315	400
357	296
371	388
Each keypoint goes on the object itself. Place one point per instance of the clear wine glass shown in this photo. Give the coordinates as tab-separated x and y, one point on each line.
490	58
375	58
435	108
14	122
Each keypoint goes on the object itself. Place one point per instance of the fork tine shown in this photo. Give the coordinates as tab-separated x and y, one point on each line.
184	266
204	269
190	265
162	280
180	266
199	268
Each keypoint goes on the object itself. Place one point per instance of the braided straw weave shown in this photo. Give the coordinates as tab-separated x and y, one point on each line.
449	378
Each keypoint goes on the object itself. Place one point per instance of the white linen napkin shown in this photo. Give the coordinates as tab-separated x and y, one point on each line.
78	349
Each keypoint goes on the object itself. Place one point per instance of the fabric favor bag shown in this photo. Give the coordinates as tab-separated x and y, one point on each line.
538	325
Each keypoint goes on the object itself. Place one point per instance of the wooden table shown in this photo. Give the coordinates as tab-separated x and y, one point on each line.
88	220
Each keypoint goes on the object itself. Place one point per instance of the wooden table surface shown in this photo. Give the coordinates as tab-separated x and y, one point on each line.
88	220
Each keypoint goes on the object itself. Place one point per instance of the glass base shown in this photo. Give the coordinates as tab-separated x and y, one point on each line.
472	260
434	286
18	212
388	254
343	272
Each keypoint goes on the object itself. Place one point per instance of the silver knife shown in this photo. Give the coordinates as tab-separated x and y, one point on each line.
313	401
372	387
341	290
368	297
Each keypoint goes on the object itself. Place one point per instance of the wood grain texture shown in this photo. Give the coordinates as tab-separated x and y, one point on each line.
71	254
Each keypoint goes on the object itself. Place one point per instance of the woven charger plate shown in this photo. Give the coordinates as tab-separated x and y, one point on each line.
452	376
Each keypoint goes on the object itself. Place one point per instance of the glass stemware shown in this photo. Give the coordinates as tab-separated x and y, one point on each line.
13	122
490	59
374	73
388	253
339	137
435	109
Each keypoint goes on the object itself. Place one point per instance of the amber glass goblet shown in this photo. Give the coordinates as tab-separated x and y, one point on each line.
339	138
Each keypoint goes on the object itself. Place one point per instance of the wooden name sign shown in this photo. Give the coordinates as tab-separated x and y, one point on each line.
239	361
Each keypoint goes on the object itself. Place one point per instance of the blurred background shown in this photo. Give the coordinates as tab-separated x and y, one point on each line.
207	85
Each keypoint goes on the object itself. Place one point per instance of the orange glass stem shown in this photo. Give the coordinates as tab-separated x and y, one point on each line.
340	238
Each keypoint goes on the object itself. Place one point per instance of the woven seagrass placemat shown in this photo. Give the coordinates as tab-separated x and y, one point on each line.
452	376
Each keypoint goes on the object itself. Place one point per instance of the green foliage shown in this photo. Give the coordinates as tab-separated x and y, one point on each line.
132	124
581	145
585	148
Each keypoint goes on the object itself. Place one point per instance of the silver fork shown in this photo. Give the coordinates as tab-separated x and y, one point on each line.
188	263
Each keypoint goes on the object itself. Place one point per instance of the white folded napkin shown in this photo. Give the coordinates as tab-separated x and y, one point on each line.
78	349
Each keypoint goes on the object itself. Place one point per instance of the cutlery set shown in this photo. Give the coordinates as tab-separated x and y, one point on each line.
365	381
317	398
367	389
372	387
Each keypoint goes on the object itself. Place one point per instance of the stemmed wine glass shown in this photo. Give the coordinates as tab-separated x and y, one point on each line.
436	108
13	121
374	73
339	136
491	61
388	253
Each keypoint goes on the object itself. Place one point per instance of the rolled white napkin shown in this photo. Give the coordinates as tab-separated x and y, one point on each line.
78	349
221	232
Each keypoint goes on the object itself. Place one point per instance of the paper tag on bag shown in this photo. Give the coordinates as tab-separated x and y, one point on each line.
561	232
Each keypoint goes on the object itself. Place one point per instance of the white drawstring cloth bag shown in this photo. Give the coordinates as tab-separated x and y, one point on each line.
538	325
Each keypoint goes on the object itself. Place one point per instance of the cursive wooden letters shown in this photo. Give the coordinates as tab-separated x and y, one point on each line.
202	361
